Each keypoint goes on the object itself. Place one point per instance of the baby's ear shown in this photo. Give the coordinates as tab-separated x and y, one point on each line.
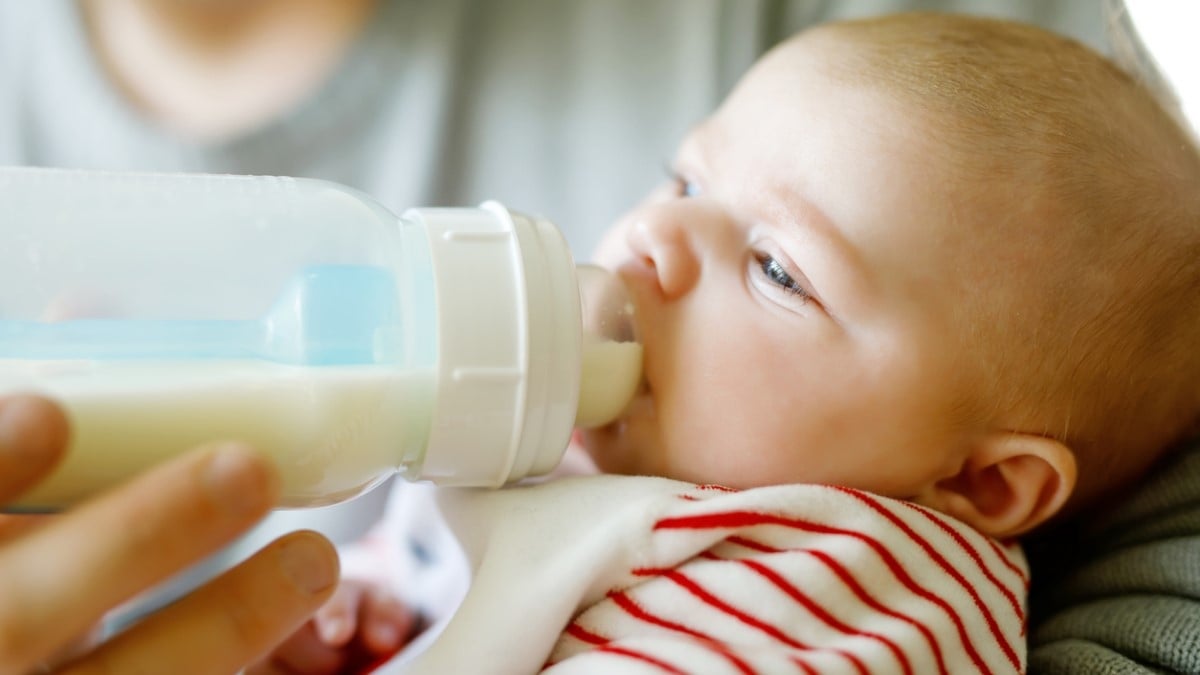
1009	484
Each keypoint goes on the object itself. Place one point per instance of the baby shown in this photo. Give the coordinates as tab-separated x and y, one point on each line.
916	261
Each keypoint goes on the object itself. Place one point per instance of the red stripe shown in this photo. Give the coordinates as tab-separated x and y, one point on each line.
633	609
584	635
715	487
1003	555
997	634
800	663
739	519
970	551
702	594
860	592
604	644
708	487
820	612
644	658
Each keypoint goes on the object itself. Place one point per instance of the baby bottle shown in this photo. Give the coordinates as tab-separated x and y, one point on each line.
455	345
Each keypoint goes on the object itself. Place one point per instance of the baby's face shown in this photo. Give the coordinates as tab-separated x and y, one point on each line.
796	294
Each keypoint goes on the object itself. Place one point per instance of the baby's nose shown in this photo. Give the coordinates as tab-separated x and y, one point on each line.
661	238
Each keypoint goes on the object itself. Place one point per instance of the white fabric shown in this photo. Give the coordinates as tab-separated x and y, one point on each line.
653	575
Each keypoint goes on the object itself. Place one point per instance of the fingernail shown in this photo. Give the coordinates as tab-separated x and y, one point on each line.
238	481
385	635
30	427
308	561
12	423
332	632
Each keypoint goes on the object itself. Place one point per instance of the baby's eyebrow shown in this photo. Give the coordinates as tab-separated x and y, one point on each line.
802	219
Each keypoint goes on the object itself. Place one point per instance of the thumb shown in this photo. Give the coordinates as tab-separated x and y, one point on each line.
33	437
337	620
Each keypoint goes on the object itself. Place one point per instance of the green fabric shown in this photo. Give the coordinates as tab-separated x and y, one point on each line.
1118	591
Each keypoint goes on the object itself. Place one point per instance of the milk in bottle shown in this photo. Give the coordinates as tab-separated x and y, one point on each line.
167	311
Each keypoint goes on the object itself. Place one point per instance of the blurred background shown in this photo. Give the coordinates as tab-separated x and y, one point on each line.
1163	47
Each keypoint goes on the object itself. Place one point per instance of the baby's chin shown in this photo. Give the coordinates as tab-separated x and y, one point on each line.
628	445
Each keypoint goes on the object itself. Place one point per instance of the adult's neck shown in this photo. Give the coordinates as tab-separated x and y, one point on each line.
209	69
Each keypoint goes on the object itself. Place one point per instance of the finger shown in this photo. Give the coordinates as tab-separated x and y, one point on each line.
12	527
58	580
337	619
33	437
386	623
233	620
302	654
73	650
268	667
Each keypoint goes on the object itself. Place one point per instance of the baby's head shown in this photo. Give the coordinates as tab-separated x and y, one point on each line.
940	258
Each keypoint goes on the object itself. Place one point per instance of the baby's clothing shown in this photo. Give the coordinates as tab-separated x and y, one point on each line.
603	574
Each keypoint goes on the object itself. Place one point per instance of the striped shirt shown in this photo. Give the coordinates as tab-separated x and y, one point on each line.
606	574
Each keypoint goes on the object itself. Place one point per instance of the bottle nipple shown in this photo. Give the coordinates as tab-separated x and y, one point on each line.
612	356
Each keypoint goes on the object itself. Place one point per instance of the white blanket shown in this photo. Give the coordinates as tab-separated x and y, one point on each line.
619	574
605	574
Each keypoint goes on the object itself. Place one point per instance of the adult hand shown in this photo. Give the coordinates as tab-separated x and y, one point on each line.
60	574
361	626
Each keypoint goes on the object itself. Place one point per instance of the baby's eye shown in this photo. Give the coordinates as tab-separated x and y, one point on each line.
775	274
682	186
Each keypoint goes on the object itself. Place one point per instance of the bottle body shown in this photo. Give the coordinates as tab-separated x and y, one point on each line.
332	432
167	311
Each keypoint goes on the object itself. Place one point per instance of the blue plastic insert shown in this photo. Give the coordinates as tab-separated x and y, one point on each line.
327	315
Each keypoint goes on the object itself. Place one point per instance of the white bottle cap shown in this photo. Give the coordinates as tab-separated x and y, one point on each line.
508	345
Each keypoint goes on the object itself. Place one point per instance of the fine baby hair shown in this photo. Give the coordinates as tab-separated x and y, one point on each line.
1099	215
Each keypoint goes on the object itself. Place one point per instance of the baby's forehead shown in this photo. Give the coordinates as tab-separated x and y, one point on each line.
998	127
800	54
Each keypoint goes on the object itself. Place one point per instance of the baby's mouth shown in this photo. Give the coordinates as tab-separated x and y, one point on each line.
614	447
641	397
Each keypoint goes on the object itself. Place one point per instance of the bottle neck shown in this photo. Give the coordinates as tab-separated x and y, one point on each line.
507	345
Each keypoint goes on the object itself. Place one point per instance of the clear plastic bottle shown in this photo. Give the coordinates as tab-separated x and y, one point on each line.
166	311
